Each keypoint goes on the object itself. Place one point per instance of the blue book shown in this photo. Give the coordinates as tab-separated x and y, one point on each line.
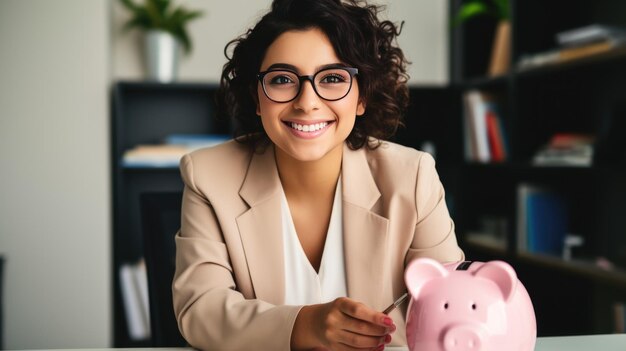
196	140
546	222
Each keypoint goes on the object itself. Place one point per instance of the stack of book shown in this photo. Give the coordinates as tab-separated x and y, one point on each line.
566	149
169	153
578	43
485	139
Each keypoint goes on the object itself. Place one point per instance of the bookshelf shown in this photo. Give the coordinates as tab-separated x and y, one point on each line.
146	113
582	96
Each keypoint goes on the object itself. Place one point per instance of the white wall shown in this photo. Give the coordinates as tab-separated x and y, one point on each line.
424	38
54	173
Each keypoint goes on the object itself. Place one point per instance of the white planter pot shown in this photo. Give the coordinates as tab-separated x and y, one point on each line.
162	53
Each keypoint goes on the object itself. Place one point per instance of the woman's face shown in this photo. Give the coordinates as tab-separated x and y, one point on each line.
308	128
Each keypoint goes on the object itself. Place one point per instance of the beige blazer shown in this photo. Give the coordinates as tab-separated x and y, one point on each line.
229	284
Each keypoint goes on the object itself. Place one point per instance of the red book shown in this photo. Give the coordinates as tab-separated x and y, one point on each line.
496	145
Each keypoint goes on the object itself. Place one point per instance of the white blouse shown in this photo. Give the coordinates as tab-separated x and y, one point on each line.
303	285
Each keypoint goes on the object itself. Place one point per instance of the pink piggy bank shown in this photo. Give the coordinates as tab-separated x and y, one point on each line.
468	306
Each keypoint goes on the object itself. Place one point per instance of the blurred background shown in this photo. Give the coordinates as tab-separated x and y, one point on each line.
522	104
60	62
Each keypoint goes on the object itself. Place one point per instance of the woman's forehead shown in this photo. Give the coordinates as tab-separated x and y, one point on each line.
306	50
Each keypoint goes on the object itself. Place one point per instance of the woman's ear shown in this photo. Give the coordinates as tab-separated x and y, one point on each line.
360	108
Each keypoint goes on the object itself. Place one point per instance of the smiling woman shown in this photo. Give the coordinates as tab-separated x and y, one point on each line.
301	238
332	99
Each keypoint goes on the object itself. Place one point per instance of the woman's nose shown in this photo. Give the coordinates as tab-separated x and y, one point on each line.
307	100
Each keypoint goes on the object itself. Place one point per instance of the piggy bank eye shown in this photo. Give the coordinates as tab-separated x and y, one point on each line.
445	305
473	306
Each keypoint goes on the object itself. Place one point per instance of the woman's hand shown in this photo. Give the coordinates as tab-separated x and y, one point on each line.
343	324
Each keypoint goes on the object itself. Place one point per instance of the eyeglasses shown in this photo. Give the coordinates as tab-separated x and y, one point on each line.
331	84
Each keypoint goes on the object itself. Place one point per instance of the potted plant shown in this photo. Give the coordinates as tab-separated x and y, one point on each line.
165	35
501	11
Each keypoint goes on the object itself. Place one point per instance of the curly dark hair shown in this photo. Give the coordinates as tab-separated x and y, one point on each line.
359	39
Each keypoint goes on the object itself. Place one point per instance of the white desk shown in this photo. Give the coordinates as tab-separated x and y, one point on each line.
612	342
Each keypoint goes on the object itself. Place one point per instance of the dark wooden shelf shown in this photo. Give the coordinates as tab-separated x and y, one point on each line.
616	55
614	276
145	113
580	96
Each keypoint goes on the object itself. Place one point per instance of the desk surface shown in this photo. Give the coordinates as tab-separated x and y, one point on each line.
611	342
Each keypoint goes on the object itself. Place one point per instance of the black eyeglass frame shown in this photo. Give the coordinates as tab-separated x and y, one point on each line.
301	78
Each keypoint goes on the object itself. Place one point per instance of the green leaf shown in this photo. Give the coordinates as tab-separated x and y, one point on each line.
499	9
141	19
470	10
155	15
184	40
162	6
504	9
159	14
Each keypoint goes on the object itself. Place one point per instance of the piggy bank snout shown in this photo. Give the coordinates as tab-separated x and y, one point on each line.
464	337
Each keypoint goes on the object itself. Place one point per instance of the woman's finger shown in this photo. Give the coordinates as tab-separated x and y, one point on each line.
383	323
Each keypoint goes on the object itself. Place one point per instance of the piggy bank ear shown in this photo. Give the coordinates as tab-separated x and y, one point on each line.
500	273
420	271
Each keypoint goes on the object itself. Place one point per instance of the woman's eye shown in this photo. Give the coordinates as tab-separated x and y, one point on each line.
281	80
333	78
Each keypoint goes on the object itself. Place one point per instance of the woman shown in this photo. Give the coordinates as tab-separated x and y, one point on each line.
296	234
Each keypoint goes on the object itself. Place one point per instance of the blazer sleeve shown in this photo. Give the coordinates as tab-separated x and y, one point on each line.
211	313
434	232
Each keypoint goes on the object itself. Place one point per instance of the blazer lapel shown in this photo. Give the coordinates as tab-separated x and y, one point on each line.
365	232
261	228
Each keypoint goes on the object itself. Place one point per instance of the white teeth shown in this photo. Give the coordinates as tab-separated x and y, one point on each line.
308	127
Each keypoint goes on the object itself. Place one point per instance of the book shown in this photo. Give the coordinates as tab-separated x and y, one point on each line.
542	220
135	299
547	223
196	141
168	154
476	115
469	142
484	138
134	289
141	281
495	132
154	156
589	34
523	192
566	149
569	54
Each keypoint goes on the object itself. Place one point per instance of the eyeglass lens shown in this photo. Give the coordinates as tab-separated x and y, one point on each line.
330	84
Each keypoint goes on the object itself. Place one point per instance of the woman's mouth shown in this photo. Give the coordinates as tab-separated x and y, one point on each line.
307	127
309	130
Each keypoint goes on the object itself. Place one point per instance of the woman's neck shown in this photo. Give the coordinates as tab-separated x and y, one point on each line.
309	179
